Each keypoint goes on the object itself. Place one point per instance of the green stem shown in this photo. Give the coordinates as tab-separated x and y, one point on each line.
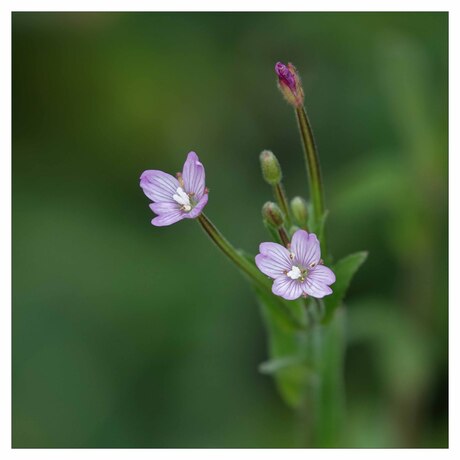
284	236
259	280
240	261
281	198
312	163
327	391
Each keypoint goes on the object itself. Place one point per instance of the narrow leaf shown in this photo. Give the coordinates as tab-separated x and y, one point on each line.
274	365
344	271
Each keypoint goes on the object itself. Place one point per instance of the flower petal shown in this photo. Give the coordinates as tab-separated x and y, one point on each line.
196	211
278	255
322	274
287	288
317	281
306	248
193	175
158	185
267	267
164	207
316	290
169	218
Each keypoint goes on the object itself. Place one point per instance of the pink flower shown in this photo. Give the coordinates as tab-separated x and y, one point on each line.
297	271
178	198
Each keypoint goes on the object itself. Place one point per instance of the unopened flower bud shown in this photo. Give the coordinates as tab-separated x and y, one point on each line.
299	208
289	83
271	169
272	214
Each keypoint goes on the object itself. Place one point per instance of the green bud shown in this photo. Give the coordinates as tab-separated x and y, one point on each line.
272	214
271	169
299	209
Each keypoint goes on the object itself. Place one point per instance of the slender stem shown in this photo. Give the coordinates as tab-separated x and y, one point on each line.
312	163
258	278
240	261
284	236
281	198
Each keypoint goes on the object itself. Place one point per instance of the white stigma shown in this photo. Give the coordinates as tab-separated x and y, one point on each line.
183	199
295	273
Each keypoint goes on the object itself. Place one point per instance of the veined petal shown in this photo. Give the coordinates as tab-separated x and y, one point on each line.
278	255
193	175
315	289
266	265
169	218
158	185
322	274
317	281
306	248
287	288
196	211
164	207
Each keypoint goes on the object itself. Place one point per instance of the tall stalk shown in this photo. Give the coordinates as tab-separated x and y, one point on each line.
325	344
312	163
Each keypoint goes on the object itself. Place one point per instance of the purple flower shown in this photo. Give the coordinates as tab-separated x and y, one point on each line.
289	83
174	198
298	270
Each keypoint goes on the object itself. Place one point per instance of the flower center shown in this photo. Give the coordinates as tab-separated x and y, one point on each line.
296	273
183	199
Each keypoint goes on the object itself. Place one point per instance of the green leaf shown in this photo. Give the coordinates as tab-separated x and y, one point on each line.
287	345
273	366
317	226
344	271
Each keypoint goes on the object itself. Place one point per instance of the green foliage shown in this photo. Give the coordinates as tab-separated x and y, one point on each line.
286	347
344	271
317	227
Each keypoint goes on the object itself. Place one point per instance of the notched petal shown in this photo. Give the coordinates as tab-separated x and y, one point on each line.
322	274
278	255
196	211
193	175
287	288
158	185
306	248
318	281
168	219
268	267
164	207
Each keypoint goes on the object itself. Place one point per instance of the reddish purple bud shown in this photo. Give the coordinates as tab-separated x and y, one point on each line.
289	83
285	75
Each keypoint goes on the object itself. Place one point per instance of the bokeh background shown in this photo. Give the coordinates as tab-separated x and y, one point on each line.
127	335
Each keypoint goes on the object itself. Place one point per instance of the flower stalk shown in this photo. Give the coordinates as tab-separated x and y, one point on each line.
239	260
281	198
284	237
257	278
312	163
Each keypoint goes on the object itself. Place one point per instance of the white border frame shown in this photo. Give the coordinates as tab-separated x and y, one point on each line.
7	7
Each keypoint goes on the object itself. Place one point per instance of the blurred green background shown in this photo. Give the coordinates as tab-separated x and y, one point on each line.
127	335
